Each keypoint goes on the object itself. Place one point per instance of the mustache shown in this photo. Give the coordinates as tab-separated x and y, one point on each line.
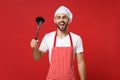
62	22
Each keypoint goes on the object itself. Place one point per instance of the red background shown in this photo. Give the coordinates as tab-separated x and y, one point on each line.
96	21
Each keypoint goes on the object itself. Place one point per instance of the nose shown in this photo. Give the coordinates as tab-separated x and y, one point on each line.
61	19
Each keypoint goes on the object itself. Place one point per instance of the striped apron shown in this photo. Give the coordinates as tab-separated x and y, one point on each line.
61	67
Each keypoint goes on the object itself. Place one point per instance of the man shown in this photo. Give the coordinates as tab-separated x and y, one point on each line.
63	46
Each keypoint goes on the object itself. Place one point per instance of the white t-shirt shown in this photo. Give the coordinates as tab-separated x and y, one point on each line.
48	41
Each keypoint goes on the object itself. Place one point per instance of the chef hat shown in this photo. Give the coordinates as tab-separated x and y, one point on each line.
63	9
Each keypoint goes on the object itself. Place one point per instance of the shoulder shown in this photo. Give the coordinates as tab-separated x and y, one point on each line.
75	36
50	34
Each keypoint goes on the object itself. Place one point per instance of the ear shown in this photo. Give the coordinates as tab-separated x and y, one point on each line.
69	21
54	20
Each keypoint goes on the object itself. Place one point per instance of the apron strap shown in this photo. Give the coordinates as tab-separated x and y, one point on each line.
69	37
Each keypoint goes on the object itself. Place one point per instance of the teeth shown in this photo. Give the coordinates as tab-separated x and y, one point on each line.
61	23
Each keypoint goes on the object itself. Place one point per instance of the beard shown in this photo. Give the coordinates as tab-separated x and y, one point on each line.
62	26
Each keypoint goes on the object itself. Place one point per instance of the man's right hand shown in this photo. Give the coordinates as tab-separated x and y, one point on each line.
34	43
37	54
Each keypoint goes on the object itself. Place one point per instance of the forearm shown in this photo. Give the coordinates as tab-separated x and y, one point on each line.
82	70
37	54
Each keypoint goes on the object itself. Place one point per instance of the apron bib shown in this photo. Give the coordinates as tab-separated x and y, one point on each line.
62	63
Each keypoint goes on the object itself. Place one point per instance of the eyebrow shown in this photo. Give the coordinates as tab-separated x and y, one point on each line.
61	16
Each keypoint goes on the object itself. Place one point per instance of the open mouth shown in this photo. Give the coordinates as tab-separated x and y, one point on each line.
62	24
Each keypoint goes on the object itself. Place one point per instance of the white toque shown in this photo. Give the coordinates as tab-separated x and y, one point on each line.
65	10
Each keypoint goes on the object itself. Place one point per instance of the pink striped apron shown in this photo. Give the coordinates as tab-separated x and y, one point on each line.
61	67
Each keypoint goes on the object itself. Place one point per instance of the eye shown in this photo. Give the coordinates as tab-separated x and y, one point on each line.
58	17
65	17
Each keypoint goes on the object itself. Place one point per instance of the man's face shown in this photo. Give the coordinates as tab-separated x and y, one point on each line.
61	20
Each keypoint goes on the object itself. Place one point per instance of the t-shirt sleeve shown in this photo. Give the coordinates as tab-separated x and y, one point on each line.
79	46
43	46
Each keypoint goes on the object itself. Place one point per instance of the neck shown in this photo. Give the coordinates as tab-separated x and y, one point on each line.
62	34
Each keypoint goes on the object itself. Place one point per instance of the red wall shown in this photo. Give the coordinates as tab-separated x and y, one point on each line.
97	21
